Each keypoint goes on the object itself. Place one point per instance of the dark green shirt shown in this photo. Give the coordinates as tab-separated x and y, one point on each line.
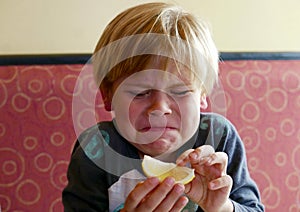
101	155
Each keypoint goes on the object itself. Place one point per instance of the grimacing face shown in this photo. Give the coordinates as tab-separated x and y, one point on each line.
156	110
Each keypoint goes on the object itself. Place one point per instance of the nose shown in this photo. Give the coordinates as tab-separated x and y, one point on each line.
160	104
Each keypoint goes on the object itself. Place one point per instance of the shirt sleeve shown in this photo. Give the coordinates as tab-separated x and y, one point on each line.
96	163
84	190
244	194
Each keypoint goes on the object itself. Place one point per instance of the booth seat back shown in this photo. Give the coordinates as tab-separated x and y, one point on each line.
38	129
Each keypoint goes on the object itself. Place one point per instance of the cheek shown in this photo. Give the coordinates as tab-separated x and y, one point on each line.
190	105
127	111
190	116
189	113
120	107
124	118
134	112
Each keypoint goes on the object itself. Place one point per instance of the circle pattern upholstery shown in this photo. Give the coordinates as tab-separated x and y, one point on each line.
37	135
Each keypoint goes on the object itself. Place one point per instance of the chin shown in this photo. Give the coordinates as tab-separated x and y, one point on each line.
159	147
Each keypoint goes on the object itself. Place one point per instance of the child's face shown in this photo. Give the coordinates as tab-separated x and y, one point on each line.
156	110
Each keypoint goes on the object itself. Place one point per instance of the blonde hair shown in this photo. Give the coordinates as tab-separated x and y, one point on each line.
132	38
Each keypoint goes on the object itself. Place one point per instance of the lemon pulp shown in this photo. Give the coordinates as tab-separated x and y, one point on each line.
156	168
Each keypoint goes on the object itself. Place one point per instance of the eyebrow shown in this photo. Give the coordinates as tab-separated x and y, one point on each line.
146	86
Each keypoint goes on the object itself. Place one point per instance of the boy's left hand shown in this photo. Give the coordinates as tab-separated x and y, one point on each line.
211	186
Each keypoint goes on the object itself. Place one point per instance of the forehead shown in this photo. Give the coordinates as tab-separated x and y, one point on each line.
167	69
159	73
156	78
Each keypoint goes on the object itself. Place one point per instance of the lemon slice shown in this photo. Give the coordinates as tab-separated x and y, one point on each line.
156	168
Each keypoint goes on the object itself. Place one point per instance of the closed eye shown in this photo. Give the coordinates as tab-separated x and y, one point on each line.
142	94
180	93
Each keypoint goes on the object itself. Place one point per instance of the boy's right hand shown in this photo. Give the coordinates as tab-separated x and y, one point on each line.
151	195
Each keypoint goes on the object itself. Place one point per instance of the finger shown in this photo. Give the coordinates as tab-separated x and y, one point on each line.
157	195
197	156
184	157
221	182
220	158
140	192
172	199
180	204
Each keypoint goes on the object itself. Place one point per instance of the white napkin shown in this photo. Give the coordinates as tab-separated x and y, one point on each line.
119	191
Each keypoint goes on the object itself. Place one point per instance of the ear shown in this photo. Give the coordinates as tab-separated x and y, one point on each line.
203	102
106	97
107	105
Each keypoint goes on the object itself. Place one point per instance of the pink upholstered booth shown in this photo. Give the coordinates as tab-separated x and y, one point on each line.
37	134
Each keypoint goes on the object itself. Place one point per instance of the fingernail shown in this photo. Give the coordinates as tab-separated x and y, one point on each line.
179	161
185	201
194	155
179	188
170	181
203	160
154	180
213	185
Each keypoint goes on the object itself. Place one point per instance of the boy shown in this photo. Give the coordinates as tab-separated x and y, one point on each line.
155	64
